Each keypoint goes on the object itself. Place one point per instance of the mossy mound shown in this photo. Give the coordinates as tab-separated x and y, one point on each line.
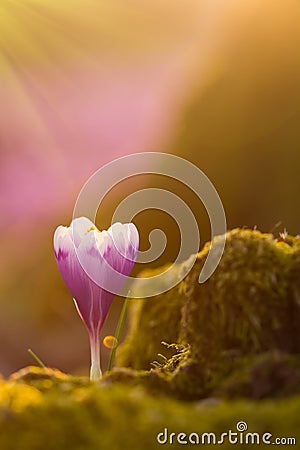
147	319
249	306
93	416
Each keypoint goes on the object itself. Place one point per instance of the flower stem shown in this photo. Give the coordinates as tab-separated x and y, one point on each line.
117	335
95	372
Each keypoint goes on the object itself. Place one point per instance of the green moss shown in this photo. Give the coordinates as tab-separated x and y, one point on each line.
101	416
249	306
250	303
271	374
47	378
147	320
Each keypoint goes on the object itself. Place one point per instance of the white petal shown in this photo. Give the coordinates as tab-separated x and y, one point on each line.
126	239
90	253
133	235
80	227
61	239
121	235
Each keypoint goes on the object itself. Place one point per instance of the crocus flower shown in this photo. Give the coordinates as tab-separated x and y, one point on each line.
94	265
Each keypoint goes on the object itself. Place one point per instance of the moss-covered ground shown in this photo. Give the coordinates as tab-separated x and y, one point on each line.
44	409
232	355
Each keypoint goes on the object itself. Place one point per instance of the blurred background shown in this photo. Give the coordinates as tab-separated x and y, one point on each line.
85	82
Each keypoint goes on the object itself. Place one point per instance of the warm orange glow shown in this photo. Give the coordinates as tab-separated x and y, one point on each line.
110	342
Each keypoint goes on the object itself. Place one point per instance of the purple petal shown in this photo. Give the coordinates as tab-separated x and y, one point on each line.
72	273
